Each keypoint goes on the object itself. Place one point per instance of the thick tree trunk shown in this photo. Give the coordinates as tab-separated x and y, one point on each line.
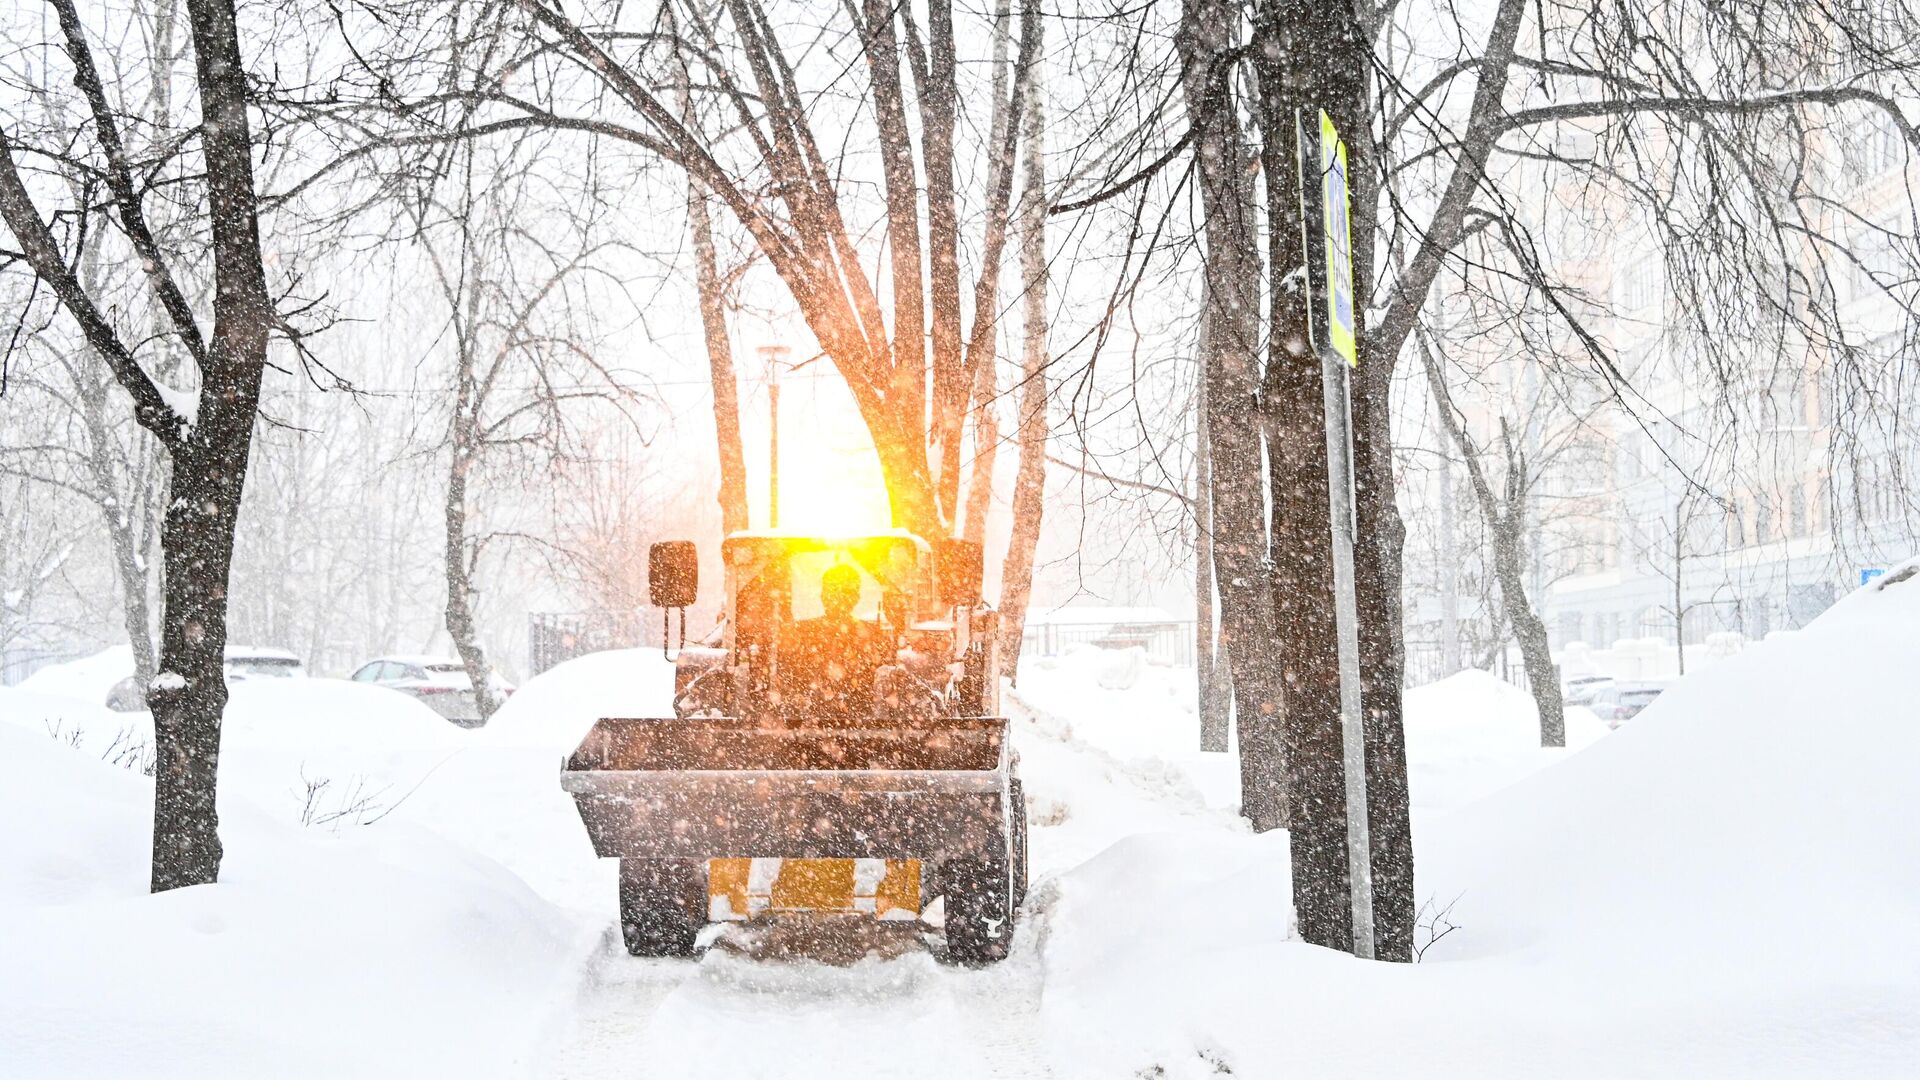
189	693
900	443
209	476
952	389
1302	569
1030	480
1232	271
1381	534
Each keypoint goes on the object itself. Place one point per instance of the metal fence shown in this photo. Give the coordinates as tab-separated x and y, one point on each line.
1170	642
554	637
1426	663
16	665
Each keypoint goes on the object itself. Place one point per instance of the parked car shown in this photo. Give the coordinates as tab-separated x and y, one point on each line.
1582	689
439	682
243	662
1620	703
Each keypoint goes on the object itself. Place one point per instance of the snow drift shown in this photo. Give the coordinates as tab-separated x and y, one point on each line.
380	952
1729	886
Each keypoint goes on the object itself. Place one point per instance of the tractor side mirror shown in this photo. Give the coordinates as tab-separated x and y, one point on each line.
673	573
959	567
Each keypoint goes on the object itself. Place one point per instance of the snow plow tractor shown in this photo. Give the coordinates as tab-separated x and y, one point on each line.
834	751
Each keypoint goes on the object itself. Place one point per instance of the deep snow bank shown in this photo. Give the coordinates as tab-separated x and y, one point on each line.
302	750
381	951
1729	886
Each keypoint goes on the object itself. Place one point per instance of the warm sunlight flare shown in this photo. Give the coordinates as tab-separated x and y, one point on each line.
832	490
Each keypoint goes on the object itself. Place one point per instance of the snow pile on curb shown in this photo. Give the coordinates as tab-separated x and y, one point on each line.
556	707
89	679
382	951
1472	733
1728	886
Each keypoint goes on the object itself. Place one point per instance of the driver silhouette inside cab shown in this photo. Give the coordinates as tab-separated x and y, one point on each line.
829	668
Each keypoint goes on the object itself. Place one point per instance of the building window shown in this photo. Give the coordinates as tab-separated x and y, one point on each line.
1797	510
1873	262
1640	284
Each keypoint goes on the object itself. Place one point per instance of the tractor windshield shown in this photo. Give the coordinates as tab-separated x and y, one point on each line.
807	571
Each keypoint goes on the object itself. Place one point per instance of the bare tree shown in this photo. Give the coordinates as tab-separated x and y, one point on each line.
1030	481
713	318
206	435
523	364
1505	513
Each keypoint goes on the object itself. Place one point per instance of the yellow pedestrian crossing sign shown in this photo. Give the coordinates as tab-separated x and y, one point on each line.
1334	220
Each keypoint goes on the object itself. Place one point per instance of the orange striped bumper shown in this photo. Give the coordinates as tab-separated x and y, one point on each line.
740	889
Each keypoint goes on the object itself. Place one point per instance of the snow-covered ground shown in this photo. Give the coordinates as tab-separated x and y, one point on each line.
1728	886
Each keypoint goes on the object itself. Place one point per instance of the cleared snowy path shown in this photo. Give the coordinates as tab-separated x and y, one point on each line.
899	1011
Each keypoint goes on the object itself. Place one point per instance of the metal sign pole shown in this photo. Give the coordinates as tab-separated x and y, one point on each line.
1329	251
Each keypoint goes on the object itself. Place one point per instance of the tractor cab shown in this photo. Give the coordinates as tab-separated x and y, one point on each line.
839	631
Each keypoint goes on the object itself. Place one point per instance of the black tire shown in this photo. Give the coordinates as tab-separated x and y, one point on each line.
979	895
663	905
1018	799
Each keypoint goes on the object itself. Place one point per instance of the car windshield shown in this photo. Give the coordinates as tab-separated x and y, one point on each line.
277	667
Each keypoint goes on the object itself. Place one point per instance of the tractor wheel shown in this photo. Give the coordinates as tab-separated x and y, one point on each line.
663	905
1019	829
979	895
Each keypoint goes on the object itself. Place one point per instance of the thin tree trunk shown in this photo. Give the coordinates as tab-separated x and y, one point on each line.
1507	524
1209	702
1679	592
1528	629
713	321
986	451
983	354
726	387
459	571
1030	480
918	501
463	445
1448	572
123	534
120	512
